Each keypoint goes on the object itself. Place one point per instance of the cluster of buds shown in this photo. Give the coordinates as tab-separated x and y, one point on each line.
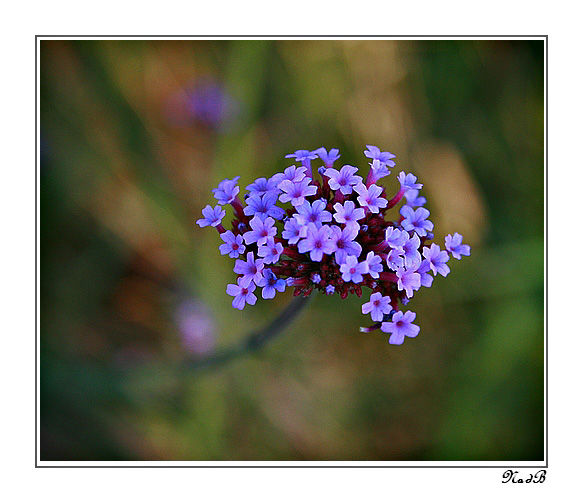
329	234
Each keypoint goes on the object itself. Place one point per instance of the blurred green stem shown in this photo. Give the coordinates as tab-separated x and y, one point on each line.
255	340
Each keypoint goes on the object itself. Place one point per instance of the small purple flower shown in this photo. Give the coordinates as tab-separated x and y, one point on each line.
264	206
344	179
437	259
378	306
408	280
271	284
408	182
261	230
353	271
270	251
330	289
425	276
233	244
303	156
344	243
396	237
373	262
315	278
317	242
293	231
454	245
395	258
295	193
294	281
348	214
313	213
262	185
416	220
413	200
213	216
384	157
412	256
250	269
377	171
400	326
243	293
227	190
292	173
369	197
328	158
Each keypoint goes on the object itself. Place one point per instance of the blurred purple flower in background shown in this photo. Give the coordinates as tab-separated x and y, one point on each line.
206	102
196	326
211	104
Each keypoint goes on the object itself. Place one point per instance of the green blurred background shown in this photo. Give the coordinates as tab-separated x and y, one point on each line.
135	134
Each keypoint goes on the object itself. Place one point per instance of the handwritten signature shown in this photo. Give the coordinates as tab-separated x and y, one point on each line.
511	476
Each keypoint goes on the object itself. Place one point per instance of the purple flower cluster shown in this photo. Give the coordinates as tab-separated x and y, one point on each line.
330	234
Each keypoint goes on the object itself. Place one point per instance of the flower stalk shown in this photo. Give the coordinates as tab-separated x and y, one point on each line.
257	340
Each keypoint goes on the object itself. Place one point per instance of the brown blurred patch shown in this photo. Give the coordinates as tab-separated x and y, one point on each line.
378	104
453	194
124	210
